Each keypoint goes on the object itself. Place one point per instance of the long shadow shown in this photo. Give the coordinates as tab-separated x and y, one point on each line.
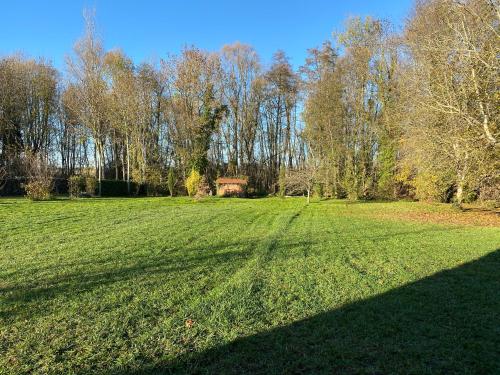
151	264
16	298
448	323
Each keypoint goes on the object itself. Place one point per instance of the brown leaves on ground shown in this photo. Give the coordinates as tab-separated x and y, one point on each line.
468	216
189	323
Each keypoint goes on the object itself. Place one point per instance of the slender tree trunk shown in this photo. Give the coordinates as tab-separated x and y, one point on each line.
116	155
124	175
128	166
460	193
100	163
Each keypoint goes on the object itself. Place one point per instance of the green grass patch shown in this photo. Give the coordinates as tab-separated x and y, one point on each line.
238	286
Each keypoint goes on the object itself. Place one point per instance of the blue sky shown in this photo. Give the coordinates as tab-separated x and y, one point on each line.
148	30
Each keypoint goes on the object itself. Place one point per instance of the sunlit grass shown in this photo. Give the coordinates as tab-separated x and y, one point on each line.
137	285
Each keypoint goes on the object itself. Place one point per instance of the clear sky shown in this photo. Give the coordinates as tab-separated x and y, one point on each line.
148	30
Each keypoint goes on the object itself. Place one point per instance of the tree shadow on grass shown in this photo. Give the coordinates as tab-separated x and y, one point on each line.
16	299
448	323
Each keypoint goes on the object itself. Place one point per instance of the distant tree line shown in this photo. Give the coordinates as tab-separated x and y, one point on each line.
372	113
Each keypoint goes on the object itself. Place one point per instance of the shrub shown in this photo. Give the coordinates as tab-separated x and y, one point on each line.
203	188
470	196
39	190
139	190
75	186
90	185
386	178
404	186
193	182
431	187
139	186
115	188
282	182
171	181
489	194
318	190
153	178
40	175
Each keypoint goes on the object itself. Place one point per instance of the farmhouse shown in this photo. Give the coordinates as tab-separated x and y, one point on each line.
231	187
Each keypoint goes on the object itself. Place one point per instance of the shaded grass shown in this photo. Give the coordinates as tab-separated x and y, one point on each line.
270	286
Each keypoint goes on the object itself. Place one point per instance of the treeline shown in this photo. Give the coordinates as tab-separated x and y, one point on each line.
371	114
409	114
217	113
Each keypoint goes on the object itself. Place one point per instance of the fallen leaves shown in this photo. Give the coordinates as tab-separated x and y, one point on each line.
474	218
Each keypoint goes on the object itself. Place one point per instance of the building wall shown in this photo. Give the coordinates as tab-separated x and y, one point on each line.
230	189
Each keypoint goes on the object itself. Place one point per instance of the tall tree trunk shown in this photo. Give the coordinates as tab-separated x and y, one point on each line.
128	166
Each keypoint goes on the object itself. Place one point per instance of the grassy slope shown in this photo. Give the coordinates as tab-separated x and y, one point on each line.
271	286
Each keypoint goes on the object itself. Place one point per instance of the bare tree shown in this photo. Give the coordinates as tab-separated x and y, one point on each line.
382	113
240	64
298	181
453	80
87	72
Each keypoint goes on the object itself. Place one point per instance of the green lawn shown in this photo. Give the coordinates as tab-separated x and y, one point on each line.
270	286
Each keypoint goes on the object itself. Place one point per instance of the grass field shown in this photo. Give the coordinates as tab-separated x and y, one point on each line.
270	286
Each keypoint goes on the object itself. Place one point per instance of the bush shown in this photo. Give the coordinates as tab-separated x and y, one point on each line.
432	187
282	182
119	188
171	181
90	185
386	178
489	195
40	179
39	190
193	183
203	188
153	178
76	185
116	188
404	186
318	190
470	196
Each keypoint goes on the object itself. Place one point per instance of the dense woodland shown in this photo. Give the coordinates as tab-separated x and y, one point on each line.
373	113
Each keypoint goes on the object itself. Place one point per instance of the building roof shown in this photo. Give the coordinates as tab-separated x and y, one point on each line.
224	180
